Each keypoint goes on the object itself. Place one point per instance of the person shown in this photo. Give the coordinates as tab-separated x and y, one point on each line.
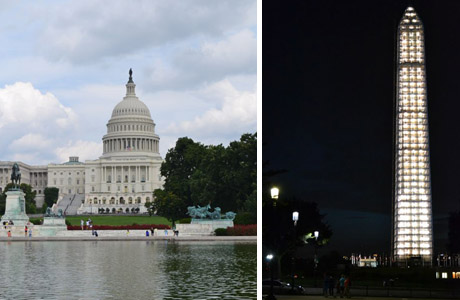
347	285
151	231
331	286
30	232
9	233
342	285
325	285
87	224
82	223
95	233
127	231
166	231
25	231
146	233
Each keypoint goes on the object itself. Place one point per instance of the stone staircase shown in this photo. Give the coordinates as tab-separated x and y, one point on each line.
69	204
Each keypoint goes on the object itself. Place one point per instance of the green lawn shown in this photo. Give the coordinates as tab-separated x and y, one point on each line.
119	220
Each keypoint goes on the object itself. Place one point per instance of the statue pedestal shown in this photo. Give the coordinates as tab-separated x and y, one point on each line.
51	226
15	209
202	227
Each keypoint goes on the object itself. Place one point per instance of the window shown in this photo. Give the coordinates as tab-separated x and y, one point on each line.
92	188
61	181
108	188
70	191
92	178
78	181
54	181
118	188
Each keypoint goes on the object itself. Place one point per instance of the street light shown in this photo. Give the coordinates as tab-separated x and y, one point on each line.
275	193
270	295
316	234
295	217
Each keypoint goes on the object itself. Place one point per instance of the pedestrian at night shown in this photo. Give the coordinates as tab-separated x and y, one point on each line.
342	285
347	285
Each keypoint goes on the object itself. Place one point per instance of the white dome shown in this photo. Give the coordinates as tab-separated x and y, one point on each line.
131	130
131	106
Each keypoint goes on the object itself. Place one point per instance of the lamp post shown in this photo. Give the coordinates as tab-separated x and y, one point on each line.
270	295
274	191
316	234
295	218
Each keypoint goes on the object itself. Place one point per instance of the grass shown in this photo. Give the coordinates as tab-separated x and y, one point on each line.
119	220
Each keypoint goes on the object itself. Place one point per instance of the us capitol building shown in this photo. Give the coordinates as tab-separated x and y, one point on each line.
121	180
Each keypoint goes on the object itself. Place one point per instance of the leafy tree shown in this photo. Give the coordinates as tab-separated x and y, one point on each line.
29	196
179	165
150	208
51	196
168	205
279	235
227	177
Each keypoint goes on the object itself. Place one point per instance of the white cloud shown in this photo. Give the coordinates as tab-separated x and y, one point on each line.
211	62
83	149
26	109
84	31
238	113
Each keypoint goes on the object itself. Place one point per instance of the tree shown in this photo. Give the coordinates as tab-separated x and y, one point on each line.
51	196
149	206
168	205
179	165
227	176
29	196
279	235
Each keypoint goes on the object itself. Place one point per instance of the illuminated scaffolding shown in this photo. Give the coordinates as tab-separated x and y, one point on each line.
412	220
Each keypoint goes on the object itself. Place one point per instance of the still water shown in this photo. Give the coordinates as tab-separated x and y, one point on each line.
127	270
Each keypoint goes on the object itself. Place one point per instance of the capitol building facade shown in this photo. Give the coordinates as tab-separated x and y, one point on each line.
121	180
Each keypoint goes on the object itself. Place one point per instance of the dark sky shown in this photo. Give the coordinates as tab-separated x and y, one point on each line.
327	104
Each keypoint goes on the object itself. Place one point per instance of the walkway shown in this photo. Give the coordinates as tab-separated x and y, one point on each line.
279	297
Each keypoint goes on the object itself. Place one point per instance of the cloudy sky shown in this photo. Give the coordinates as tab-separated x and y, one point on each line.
65	65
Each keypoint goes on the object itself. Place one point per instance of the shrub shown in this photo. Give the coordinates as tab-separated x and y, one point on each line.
37	221
184	221
220	231
244	218
239	230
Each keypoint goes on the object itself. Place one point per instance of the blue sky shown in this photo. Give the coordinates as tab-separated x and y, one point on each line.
65	65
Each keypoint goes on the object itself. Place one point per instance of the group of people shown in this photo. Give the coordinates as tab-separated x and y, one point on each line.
89	225
342	286
27	230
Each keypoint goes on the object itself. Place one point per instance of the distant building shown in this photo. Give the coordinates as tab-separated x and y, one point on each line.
121	180
412	218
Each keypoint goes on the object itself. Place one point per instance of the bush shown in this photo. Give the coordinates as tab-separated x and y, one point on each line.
184	221
36	221
221	231
242	230
244	218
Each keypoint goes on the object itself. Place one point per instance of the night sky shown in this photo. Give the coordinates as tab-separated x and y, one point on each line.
327	104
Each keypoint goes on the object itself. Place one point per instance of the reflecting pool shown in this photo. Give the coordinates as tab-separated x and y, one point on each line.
128	270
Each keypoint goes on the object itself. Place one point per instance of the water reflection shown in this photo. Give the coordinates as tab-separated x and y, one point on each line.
128	270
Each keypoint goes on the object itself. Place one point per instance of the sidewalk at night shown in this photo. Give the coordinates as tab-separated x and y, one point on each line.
280	297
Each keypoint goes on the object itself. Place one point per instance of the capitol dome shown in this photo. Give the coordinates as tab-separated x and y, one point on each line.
131	130
131	105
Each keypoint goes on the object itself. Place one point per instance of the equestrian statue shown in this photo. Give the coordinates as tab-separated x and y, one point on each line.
16	176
